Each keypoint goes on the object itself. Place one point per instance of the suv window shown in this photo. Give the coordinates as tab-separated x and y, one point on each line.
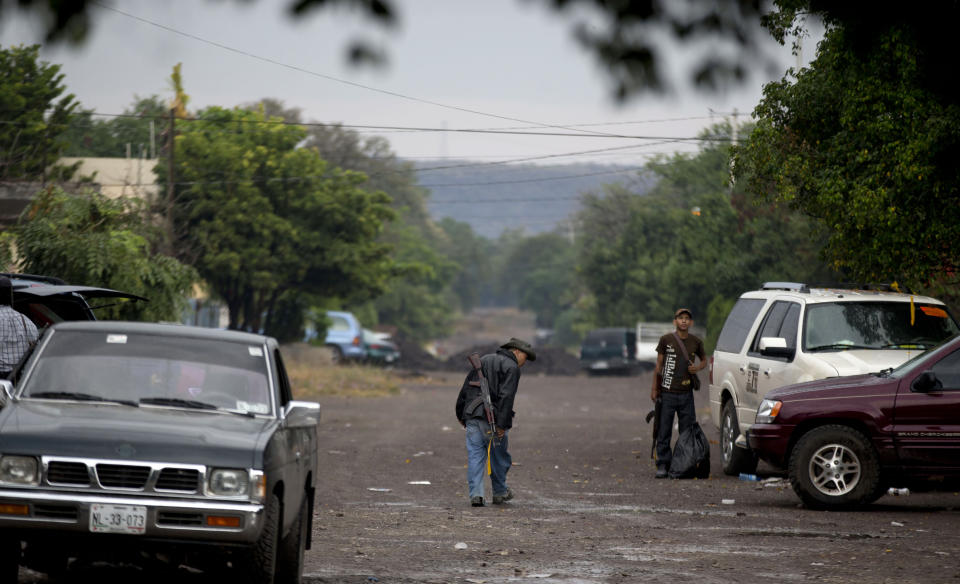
781	321
737	326
613	337
875	325
338	323
948	370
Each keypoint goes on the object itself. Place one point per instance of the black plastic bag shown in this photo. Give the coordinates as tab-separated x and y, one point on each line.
691	455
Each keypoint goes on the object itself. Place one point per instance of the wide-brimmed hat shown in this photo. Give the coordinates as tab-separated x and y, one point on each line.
515	343
681	311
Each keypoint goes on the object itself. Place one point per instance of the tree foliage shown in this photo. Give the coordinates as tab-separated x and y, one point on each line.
36	112
691	241
265	221
90	136
866	142
89	239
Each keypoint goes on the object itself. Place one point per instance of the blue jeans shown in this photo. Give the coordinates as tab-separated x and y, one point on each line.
478	436
682	405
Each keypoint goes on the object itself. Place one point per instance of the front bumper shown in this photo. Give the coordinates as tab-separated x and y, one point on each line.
771	442
67	513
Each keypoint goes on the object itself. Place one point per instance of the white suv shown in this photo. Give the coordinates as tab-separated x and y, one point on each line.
789	333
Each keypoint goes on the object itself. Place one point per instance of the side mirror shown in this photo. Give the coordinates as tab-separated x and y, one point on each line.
6	392
304	409
926	382
775	347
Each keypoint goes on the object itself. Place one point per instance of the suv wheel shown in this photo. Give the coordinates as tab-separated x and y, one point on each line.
735	459
336	355
834	466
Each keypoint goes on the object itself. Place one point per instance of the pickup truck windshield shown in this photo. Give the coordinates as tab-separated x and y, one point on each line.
839	326
158	370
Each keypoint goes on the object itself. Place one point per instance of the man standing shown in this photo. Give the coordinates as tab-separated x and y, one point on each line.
673	383
502	371
17	332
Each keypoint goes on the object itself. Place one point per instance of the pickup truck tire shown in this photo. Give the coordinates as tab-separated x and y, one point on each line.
9	559
260	564
735	459
834	467
290	558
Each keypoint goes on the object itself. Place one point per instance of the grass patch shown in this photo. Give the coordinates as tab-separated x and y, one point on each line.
313	375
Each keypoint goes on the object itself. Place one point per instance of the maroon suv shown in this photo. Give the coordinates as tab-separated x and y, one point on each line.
846	440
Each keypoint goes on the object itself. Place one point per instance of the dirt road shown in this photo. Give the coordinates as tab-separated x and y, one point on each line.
393	504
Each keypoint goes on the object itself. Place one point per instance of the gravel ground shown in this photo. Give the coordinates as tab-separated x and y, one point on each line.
393	507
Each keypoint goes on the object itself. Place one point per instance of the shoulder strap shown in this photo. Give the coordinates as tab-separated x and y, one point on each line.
683	347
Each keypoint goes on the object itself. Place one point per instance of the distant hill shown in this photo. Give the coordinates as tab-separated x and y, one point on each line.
537	199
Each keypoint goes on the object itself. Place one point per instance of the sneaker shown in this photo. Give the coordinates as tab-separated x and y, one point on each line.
498	499
661	473
476	501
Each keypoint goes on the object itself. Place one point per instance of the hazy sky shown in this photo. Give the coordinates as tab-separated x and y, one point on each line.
503	58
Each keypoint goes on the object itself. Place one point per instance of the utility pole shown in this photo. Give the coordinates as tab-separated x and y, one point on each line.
733	143
169	205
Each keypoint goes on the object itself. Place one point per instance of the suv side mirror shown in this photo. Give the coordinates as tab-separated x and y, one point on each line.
775	347
6	392
303	409
926	382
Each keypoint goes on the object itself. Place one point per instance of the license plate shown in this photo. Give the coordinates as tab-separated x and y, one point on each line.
106	518
600	365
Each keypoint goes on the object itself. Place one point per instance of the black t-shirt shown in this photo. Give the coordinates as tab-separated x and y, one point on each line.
675	376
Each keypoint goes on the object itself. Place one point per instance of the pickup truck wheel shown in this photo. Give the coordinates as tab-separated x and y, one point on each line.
290	559
260	565
9	559
336	355
735	459
834	466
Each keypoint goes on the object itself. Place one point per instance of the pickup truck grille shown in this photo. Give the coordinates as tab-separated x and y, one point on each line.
68	473
115	476
179	479
123	477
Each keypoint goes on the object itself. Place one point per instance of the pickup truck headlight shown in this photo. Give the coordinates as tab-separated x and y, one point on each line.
768	410
19	470
228	482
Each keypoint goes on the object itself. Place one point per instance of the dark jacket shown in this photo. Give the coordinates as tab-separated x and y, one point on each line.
503	375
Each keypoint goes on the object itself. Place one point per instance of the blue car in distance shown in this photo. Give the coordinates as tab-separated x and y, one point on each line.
345	337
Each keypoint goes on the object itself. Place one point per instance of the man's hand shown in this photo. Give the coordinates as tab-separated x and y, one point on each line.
654	393
500	432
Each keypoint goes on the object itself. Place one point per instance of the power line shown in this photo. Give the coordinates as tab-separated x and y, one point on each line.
332	78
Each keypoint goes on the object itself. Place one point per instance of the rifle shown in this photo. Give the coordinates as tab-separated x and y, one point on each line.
474	360
655	414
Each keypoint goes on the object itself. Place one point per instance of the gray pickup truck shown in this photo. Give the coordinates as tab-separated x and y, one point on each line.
125	441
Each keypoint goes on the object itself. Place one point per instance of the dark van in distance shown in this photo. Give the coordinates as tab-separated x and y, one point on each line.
609	350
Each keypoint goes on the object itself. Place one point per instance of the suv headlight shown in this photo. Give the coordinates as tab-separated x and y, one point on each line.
19	470
228	482
768	410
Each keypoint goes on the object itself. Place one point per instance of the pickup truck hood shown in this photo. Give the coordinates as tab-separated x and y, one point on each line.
856	361
147	434
837	387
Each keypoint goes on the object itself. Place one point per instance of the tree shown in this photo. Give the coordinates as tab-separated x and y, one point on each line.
865	142
89	239
690	241
262	219
540	268
142	123
36	114
417	301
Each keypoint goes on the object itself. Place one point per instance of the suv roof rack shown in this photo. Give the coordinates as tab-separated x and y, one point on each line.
794	286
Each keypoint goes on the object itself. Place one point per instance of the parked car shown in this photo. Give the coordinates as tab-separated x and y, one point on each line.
47	300
124	441
609	350
846	440
381	350
789	333
345	337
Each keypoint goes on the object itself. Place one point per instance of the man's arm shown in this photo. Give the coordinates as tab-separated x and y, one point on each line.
507	392
657	371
